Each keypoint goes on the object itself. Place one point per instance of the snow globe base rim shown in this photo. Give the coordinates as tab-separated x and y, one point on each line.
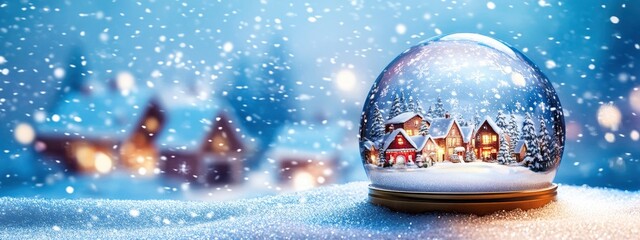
458	202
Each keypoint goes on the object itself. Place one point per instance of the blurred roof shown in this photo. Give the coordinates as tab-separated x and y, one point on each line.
188	125
107	115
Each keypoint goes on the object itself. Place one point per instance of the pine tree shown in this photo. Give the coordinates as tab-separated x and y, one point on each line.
396	107
470	156
429	112
377	125
424	129
504	156
381	158
419	108
411	105
513	132
529	136
403	103
556	151
501	121
439	109
476	119
543	142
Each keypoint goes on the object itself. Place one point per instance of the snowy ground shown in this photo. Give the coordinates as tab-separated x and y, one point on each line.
330	212
460	177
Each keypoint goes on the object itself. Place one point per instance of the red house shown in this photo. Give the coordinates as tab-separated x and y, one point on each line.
399	148
488	139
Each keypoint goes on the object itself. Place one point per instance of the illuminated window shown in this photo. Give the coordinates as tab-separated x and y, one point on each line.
494	138
219	144
400	141
485	138
410	132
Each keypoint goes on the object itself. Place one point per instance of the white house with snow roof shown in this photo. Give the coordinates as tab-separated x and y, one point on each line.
448	135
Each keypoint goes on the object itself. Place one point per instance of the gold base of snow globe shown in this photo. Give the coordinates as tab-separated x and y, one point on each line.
459	202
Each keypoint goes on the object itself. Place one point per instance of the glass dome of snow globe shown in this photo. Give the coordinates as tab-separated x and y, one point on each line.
461	118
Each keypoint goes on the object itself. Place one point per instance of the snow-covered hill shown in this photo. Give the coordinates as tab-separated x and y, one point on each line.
332	212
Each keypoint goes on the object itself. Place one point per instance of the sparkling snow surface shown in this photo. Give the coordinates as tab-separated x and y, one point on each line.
331	212
460	177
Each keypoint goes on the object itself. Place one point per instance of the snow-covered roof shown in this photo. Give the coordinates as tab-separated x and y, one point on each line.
391	136
369	145
403	117
187	126
491	123
519	145
467	132
440	127
106	115
421	141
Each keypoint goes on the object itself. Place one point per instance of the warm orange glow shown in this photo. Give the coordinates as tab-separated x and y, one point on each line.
400	141
152	124
303	180
485	138
91	159
139	158
220	144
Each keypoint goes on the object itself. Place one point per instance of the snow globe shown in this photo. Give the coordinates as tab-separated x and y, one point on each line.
462	123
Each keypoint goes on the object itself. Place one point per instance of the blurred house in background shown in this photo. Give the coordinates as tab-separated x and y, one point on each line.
205	144
92	131
306	156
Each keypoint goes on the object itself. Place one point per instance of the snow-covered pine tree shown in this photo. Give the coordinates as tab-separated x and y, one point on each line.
429	112
377	124
469	156
476	119
439	111
529	136
381	158
403	103
501	121
396	107
504	156
543	142
411	105
513	132
419	108
424	129
556	151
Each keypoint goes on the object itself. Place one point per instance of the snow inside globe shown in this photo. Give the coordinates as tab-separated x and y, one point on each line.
461	113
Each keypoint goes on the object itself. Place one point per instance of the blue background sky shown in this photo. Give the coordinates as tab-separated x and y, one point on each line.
588	49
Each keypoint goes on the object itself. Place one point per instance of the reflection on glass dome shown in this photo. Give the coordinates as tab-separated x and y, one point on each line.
461	113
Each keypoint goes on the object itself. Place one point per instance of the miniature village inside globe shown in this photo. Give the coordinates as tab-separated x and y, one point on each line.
461	113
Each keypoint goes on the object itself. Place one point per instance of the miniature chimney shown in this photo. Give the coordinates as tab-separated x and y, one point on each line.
447	115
